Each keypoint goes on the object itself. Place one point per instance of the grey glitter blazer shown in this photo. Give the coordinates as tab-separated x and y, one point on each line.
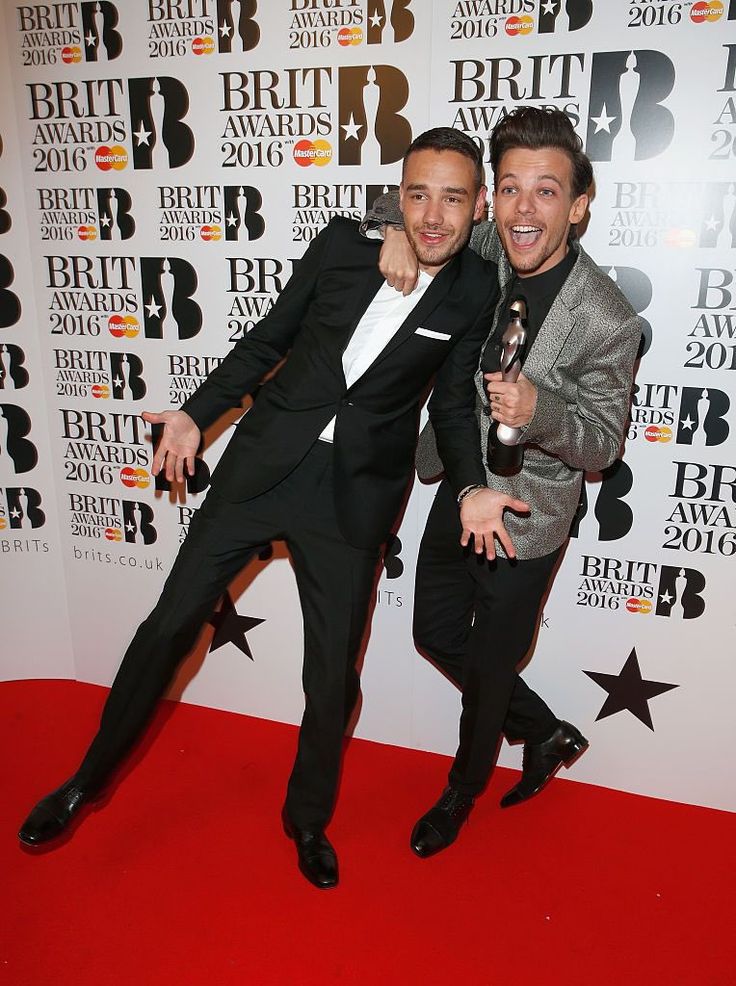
582	365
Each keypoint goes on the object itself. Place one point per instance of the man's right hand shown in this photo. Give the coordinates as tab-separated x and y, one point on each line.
398	262
178	446
481	514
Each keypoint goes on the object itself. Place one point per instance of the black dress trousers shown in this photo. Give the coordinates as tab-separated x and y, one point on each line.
476	620
335	583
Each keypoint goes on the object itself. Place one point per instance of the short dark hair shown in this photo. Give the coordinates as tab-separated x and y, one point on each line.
535	128
449	139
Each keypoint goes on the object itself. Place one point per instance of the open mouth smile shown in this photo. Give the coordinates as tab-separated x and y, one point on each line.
525	236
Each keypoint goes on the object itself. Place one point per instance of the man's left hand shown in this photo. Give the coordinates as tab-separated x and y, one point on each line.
511	404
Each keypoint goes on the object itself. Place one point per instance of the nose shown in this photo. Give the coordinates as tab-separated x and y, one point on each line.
433	215
525	202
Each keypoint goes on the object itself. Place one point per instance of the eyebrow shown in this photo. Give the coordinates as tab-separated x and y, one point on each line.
419	187
554	178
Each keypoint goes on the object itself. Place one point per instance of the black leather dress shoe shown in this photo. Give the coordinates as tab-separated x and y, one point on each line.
439	828
541	762
316	854
52	814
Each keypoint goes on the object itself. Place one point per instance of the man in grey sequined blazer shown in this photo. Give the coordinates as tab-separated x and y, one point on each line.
476	611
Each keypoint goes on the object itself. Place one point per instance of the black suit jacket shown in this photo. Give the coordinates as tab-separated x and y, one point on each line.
377	417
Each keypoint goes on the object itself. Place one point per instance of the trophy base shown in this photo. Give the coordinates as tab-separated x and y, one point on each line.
505	460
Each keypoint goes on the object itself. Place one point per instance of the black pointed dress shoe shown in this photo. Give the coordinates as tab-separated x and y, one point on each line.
439	828
52	814
541	761
316	855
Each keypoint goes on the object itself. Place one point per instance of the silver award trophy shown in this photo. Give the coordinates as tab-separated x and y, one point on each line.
505	450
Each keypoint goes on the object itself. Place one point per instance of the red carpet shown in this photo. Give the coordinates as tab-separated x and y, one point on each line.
184	877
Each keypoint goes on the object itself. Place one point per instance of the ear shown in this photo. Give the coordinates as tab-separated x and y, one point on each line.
578	209
480	203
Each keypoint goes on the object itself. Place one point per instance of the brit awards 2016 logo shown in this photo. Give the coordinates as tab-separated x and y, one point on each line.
237	27
105	448
372	129
168	286
627	118
18	454
210	213
679	215
314	205
85	213
94	373
703	518
187	372
269	113
640	587
77	124
158	107
253	284
486	19
348	23
724	134
604	503
89	292
10	308
181	27
68	33
668	13
111	519
20	509
13	374
662	413
485	91
711	345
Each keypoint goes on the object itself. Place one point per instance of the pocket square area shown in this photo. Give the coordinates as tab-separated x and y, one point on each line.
431	334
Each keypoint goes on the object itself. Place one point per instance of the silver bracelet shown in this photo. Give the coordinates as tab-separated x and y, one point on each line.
467	491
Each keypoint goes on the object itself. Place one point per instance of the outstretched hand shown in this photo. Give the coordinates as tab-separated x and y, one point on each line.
398	262
481	515
178	445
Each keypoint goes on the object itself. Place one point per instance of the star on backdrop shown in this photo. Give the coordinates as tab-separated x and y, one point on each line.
231	628
628	691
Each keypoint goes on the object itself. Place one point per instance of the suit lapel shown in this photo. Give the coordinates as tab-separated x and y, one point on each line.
558	324
435	293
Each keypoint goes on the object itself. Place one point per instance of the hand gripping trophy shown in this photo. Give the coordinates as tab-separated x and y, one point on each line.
505	448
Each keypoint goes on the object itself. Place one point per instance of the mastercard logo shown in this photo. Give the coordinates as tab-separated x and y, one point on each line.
209	233
658	433
87	232
681	239
203	46
115	157
71	55
123	326
701	12
519	25
101	391
639	605
3	523
133	478
113	534
349	36
308	152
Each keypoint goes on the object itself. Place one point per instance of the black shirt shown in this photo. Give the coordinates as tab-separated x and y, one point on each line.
539	291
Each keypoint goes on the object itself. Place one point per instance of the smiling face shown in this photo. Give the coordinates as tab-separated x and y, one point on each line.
534	207
440	201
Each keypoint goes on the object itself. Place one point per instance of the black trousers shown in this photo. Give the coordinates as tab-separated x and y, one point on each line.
335	582
477	619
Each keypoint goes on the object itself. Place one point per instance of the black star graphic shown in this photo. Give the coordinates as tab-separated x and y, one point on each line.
230	628
628	690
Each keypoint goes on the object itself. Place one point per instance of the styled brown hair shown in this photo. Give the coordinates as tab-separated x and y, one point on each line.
449	139
535	128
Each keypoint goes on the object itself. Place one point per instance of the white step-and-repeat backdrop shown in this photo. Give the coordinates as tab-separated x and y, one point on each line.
165	162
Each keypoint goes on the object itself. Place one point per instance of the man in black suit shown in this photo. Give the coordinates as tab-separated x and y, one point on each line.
322	460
